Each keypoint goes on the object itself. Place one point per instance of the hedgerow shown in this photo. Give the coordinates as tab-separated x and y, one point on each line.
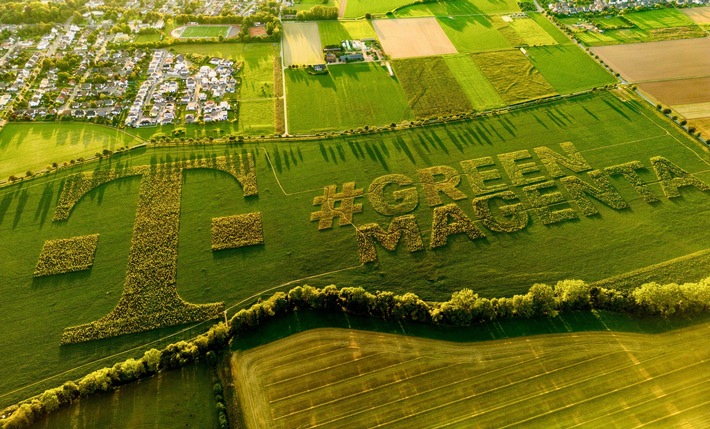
231	232
464	308
66	255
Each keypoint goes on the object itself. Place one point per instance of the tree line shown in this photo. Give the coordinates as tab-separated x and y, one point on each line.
465	308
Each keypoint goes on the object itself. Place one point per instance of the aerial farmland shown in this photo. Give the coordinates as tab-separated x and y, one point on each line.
452	213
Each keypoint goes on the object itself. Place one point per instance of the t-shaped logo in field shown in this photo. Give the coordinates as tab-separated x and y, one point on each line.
150	299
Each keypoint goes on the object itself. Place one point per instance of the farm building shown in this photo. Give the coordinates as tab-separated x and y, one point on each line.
352	57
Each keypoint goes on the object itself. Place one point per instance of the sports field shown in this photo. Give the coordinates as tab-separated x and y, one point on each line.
341	377
199	31
34	146
349	96
606	130
301	44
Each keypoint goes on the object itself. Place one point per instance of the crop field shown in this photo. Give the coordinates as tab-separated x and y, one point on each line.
350	96
568	68
301	44
333	32
34	146
531	33
473	82
683	91
558	234
358	8
171	399
443	8
405	38
660	18
431	88
513	76
336	377
474	33
673	59
199	31
256	117
699	15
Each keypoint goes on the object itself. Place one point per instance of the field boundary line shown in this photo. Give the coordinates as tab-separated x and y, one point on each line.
273	170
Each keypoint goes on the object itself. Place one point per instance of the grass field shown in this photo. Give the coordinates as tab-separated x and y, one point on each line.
198	31
568	68
146	38
309	4
431	88
358	8
34	146
513	76
474	84
531	32
172	399
474	33
333	32
443	8
659	18
606	130
337	377
256	117
350	96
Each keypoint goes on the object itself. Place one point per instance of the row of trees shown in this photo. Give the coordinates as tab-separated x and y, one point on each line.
464	308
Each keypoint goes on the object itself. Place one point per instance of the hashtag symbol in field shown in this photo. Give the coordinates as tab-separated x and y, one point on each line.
344	211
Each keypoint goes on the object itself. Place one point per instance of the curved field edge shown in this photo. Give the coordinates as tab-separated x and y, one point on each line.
343	376
462	310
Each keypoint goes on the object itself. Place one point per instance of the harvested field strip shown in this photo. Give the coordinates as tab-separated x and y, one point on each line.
680	91
513	76
699	15
568	68
431	88
693	111
302	44
545	380
474	84
406	38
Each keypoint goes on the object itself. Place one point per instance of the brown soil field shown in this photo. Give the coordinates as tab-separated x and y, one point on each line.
693	111
302	43
672	59
700	15
417	37
257	31
703	125
682	91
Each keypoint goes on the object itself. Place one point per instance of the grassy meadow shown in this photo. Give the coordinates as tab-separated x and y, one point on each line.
349	96
358	8
474	33
334	32
34	146
335	377
568	69
473	82
605	129
171	399
442	8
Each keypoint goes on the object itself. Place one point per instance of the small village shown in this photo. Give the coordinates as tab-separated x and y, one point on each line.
598	6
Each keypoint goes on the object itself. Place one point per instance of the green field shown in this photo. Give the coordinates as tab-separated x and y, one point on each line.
568	68
336	377
605	129
34	146
513	76
350	96
308	4
531	33
659	18
474	33
171	399
431	88
443	8
256	117
334	32
358	8
147	38
474	84
198	31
